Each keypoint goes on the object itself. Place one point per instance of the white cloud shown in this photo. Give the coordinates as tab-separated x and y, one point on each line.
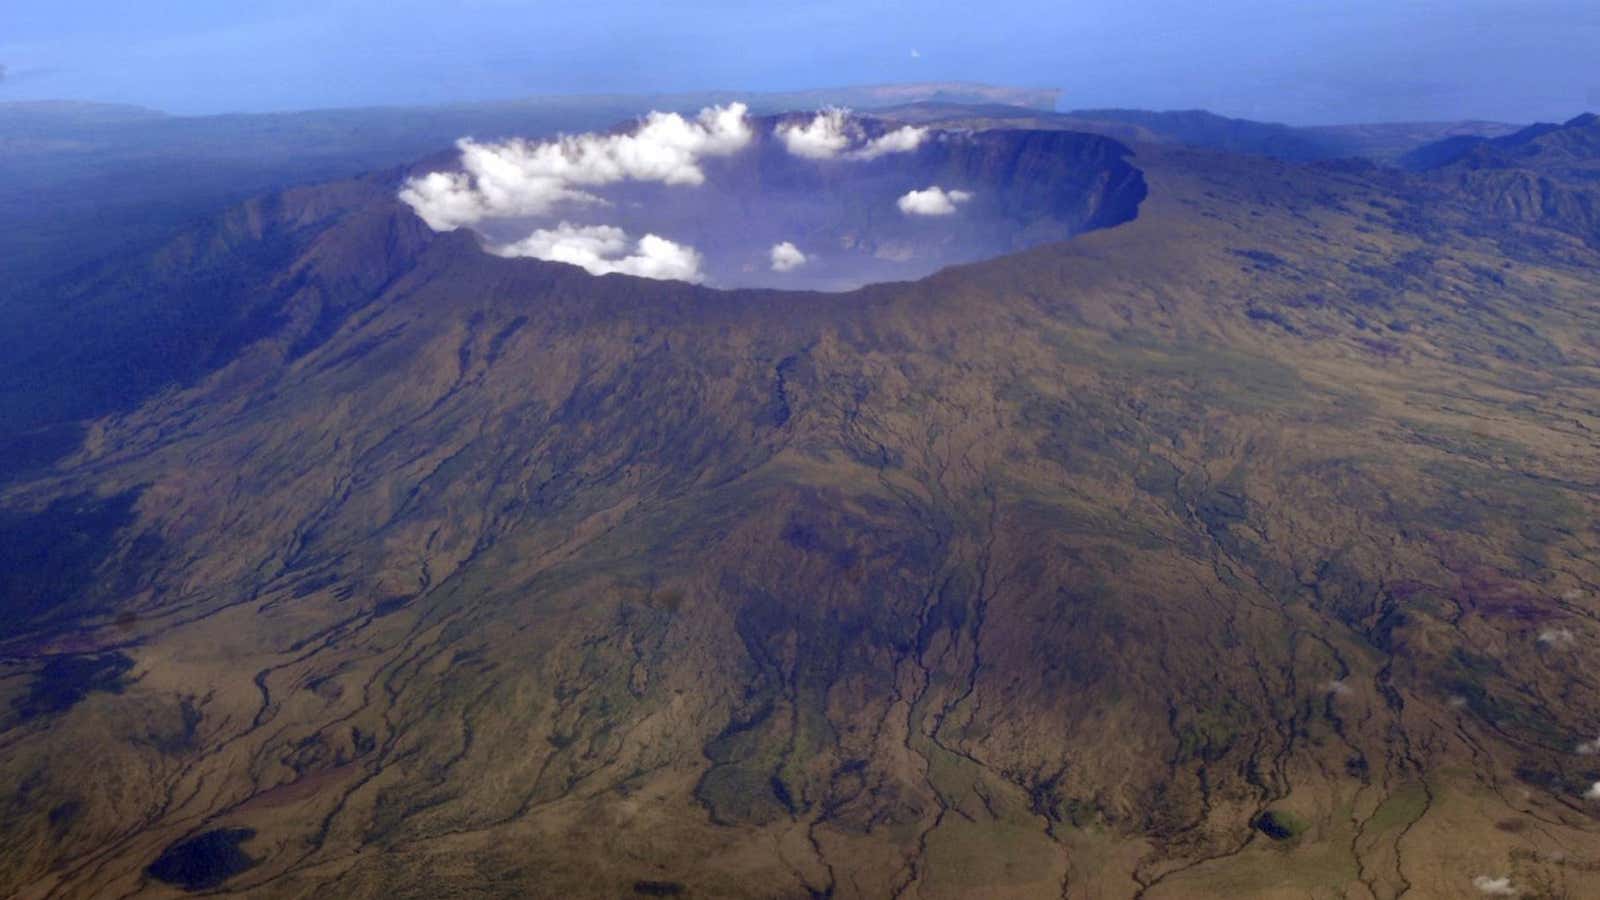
915	53
1557	636
604	249
831	134
933	201
901	140
824	137
523	178
786	256
1494	887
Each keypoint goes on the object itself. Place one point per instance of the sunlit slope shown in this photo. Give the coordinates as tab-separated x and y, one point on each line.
1245	549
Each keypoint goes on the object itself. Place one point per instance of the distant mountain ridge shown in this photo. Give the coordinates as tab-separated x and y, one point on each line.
1544	174
56	115
1502	150
1207	129
1383	142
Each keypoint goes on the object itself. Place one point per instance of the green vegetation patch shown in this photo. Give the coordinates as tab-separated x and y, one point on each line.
1402	807
1212	732
1475	498
1218	376
1472	676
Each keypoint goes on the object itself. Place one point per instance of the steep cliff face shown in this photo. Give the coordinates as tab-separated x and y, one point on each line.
1174	560
1081	181
117	333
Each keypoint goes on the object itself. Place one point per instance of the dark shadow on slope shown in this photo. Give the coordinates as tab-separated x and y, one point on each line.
204	862
50	558
65	681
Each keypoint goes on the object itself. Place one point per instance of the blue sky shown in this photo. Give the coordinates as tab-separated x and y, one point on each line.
1309	62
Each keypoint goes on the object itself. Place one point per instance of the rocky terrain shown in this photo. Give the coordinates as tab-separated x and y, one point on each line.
1544	174
1245	548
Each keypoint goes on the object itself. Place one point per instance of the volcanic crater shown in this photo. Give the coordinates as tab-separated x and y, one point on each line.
826	201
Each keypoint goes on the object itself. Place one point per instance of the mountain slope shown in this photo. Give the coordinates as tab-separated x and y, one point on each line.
1244	548
296	263
1545	174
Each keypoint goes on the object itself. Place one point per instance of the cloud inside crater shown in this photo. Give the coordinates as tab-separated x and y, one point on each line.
504	188
522	179
832	134
525	178
824	137
606	249
786	257
901	140
932	201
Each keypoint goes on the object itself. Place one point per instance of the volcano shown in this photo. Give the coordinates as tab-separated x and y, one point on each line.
1243	546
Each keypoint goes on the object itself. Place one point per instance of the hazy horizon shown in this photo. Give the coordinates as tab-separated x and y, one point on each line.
713	90
1318	63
